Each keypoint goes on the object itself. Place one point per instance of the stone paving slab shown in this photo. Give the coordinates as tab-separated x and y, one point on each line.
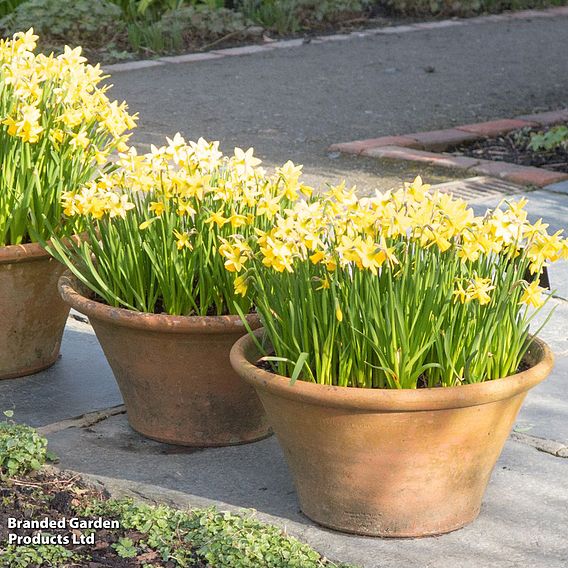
545	411
244	476
560	187
80	381
522	522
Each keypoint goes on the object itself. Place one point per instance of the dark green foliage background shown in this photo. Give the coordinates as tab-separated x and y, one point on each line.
122	28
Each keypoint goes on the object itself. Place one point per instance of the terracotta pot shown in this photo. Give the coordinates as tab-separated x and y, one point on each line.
174	372
32	314
391	463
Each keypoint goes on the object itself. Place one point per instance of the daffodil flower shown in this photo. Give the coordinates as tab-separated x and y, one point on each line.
532	295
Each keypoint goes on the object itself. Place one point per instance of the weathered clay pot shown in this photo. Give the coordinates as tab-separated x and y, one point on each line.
391	463
32	314
174	372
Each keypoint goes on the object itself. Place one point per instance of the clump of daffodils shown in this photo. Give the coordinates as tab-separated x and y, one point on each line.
168	231
404	289
57	129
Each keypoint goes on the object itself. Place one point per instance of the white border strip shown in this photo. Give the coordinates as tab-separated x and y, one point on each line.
290	43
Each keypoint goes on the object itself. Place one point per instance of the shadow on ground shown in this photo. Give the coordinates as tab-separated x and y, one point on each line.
80	381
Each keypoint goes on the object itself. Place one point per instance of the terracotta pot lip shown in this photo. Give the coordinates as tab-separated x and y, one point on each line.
389	400
163	323
28	252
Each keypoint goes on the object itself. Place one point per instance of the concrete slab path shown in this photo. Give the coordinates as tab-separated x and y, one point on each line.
294	103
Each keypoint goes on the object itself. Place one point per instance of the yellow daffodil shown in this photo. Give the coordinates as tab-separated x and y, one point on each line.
338	312
532	295
185	208
244	162
317	257
217	218
479	290
241	285
182	240
157	207
460	295
118	205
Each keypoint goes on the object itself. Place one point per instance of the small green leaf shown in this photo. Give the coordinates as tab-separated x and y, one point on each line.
298	368
272	358
51	456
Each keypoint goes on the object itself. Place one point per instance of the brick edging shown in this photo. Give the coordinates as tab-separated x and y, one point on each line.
427	148
298	42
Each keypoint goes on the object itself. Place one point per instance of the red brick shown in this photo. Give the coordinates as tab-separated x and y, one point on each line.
131	65
358	146
485	19
334	37
526	175
285	43
497	169
547	118
495	127
439	140
537	176
420	156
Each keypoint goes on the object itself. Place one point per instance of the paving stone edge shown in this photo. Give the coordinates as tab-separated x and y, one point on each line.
298	42
428	148
155	494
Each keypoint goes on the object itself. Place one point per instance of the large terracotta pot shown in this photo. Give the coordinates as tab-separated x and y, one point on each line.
391	463
32	314
174	372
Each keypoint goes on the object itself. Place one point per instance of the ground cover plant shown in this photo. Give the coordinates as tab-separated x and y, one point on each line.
81	22
465	7
121	29
406	289
554	138
151	536
544	148
111	30
58	130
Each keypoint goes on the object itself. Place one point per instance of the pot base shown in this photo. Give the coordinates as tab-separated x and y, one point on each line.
31	370
365	530
185	442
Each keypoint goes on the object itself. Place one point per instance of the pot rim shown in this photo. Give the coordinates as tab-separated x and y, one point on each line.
163	323
389	400
28	252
